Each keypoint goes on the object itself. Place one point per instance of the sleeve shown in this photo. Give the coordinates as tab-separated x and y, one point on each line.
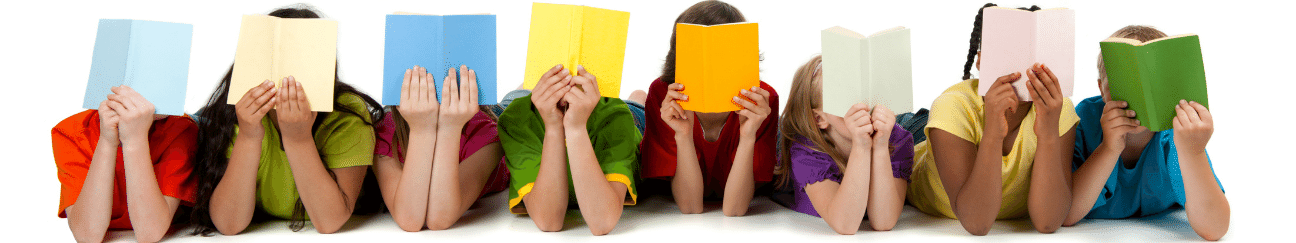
1068	118
384	132
72	156
522	139
766	150
477	133
810	166
615	140
658	145
349	140
1085	131
956	114
174	166
902	153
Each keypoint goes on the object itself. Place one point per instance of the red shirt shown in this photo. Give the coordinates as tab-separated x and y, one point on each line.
715	158
171	145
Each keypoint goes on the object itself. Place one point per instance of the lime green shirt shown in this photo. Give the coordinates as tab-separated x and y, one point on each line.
343	139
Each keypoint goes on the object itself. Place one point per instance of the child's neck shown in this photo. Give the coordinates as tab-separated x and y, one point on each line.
1014	120
1134	145
712	124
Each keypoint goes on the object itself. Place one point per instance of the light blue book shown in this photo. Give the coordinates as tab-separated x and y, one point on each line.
439	43
149	56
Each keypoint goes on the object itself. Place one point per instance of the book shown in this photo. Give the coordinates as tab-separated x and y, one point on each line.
438	43
574	35
1155	75
150	57
272	48
1013	39
875	69
716	62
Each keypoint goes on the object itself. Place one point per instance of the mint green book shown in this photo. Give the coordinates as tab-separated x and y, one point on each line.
1153	76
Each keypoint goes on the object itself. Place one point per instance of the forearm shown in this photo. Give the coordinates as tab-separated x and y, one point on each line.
234	200
981	195
886	193
149	211
741	184
445	197
547	202
409	206
686	185
1049	200
1207	207
89	217
600	205
323	199
1088	181
846	209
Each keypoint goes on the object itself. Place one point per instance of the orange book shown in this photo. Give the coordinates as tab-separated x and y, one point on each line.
715	63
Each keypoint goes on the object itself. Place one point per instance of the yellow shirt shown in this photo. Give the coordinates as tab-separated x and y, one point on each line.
959	111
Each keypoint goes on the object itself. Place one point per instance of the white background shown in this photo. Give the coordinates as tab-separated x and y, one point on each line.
47	48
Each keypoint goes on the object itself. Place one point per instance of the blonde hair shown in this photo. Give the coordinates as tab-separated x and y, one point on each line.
1138	32
799	120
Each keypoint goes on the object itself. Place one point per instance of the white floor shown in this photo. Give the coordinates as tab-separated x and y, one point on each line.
656	219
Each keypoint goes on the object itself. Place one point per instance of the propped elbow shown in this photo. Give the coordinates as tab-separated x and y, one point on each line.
548	224
977	227
735	211
441	222
602	228
1046	227
150	235
1213	235
407	223
882	225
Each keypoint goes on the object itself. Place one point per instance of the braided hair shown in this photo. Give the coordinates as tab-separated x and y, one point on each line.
975	43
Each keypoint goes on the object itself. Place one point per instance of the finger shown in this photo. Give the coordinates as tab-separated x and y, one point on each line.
283	92
266	107
451	86
472	86
1174	123
755	97
421	81
592	86
1007	79
744	103
261	100
1192	113
679	110
675	95
302	102
1181	115
292	93
1203	113
675	87
257	91
117	107
1032	88
405	87
1045	84
429	84
552	71
1055	89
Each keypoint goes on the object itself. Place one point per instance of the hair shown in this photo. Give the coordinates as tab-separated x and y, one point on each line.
1138	32
704	13
975	44
401	137
216	133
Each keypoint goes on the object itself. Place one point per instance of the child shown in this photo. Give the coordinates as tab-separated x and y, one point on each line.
998	158
271	152
122	167
843	167
706	155
566	118
1123	170
452	150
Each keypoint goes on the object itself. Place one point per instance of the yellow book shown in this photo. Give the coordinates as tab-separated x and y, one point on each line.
716	62
272	48
577	35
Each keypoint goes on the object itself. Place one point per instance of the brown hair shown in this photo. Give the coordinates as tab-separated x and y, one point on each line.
401	136
1138	32
799	120
704	13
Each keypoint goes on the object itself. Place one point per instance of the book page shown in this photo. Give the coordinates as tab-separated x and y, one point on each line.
844	65
410	40
602	47
108	62
308	52
1007	46
1176	72
470	41
253	61
552	40
718	63
1055	47
890	71
159	64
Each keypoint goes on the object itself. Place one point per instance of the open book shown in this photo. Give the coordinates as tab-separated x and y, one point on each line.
577	35
1013	39
875	70
1154	76
272	48
439	43
715	63
150	57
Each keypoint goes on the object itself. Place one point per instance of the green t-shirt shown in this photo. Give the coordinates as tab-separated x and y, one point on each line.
612	133
343	140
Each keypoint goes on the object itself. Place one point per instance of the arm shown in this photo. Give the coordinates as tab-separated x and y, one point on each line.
600	200
329	202
547	202
1088	180
686	185
89	217
1208	209
459	183
234	199
405	186
886	193
150	211
974	183
843	205
1049	200
741	183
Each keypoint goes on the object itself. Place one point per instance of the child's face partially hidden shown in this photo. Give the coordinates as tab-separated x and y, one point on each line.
159	117
836	128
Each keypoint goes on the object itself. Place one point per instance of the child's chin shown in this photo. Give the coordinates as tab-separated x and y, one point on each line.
157	117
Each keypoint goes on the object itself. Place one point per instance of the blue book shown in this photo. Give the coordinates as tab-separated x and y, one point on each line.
439	43
149	56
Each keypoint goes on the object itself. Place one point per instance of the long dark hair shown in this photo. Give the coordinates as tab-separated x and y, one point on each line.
975	43
704	13
216	125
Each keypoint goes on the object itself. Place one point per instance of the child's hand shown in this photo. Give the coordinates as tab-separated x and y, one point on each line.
883	122
418	100
294	113
254	105
549	91
1193	126
859	121
108	120
754	111
1000	100
1046	93
673	114
581	101
1117	122
135	112
460	98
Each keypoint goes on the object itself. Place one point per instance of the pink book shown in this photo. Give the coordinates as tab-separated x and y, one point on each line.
1014	39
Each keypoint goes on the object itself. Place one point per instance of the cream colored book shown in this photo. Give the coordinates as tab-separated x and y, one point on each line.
271	48
875	70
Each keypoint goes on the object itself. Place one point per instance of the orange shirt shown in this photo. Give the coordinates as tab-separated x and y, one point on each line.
171	145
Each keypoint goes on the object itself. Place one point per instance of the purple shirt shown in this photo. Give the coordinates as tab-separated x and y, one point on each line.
810	166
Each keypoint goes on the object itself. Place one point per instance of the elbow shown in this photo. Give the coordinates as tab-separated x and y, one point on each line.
149	236
603	227
441	222
1046	226
408	223
735	210
330	225
1071	220
82	235
882	225
691	208
843	228
548	223
225	227
1213	234
977	227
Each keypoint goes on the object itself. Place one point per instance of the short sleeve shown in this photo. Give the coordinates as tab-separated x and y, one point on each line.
810	166
346	139
173	167
477	133
902	153
522	139
72	154
616	143
958	112
1068	118
658	146
384	132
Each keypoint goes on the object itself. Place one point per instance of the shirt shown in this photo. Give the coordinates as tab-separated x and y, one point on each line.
478	132
810	166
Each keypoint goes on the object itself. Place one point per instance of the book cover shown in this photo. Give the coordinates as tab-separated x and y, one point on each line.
574	35
271	48
715	63
439	43
150	57
876	70
1155	75
1013	39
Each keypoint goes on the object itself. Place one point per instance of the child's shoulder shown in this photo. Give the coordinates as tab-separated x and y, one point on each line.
79	121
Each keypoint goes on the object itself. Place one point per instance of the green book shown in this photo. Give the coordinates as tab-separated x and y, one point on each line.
1153	76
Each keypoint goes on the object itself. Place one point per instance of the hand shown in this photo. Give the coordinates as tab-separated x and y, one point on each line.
859	121
418	101
551	88
999	101
1117	122
460	98
294	113
1046	94
108	120
755	109
883	123
254	105
1193	126
135	114
673	114
581	101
